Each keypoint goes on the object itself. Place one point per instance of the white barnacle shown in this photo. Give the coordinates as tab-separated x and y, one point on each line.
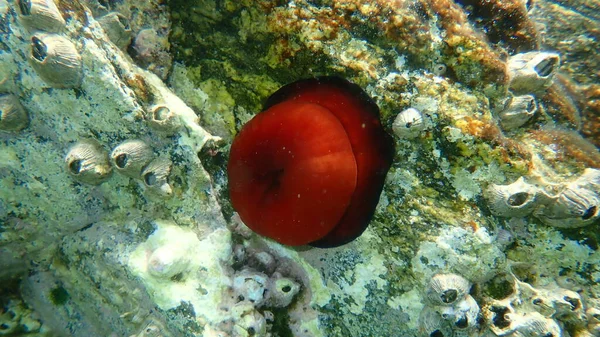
568	305
13	117
281	291
409	123
249	285
41	15
56	60
116	26
87	162
446	289
156	175
462	314
533	324
517	112
432	324
513	200
162	118
131	156
248	321
577	205
532	72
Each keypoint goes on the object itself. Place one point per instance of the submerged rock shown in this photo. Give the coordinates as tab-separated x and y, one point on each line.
160	89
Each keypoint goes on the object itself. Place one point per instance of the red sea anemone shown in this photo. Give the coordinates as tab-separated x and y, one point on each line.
310	167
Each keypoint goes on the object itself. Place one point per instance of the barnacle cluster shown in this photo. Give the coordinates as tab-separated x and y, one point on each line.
574	204
88	162
450	307
255	294
52	54
129	33
530	74
266	284
516	308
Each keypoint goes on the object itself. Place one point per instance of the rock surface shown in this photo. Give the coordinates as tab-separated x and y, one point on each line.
162	253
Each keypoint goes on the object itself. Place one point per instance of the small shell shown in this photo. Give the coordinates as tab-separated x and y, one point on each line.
116	26
13	117
163	119
87	162
532	72
439	69
281	291
542	304
568	305
41	15
534	325
514	200
168	262
431	324
577	205
130	157
462	314
56	60
517	112
409	124
249	321
499	317
446	289
250	286
155	175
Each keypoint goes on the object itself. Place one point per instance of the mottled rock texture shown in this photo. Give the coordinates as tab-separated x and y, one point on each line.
79	259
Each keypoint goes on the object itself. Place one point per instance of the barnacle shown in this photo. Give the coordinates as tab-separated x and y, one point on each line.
513	200
409	123
462	314
56	60
533	324
41	15
162	118
532	72
445	289
517	111
282	290
13	117
131	156
116	26
576	205
88	162
249	285
431	324
156	175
